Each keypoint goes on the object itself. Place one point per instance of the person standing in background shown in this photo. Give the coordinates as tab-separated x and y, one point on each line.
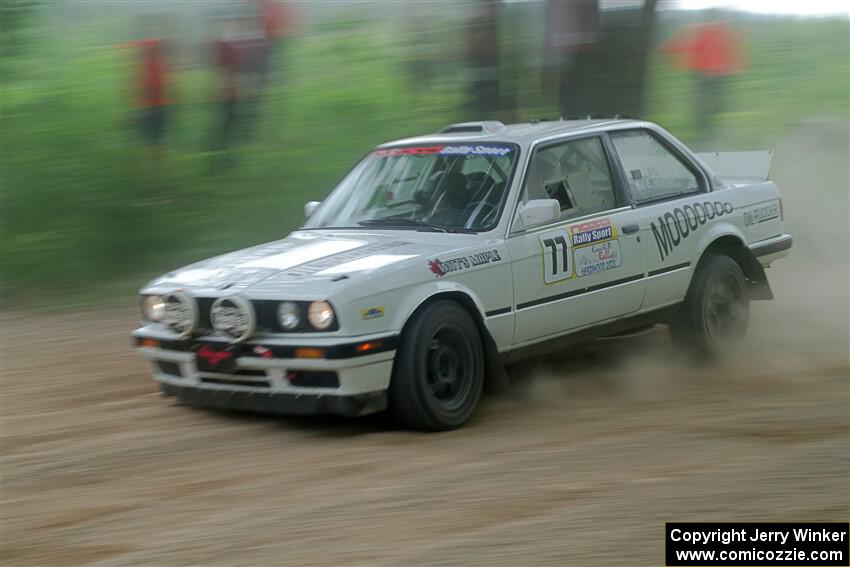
241	58
151	88
712	51
277	20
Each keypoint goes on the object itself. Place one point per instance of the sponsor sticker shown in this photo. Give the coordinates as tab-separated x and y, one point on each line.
372	312
761	213
591	231
460	150
597	258
477	150
442	268
580	249
262	352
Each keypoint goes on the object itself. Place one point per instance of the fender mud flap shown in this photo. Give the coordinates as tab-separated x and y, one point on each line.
759	287
496	379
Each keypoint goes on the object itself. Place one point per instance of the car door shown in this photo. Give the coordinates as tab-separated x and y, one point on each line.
668	192
587	267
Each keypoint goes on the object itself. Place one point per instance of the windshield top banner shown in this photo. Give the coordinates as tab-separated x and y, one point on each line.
461	150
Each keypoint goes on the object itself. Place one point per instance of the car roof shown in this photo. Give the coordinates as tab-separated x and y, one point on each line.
524	133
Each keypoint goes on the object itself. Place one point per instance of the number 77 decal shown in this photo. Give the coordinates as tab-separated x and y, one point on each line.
557	259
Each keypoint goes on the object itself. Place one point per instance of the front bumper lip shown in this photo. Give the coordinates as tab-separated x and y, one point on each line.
278	402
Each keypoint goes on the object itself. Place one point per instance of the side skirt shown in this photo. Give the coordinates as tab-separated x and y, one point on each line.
618	327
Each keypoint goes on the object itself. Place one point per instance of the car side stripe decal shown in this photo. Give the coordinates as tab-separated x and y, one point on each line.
576	292
495	312
660	271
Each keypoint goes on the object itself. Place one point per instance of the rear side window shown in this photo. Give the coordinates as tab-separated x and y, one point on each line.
652	171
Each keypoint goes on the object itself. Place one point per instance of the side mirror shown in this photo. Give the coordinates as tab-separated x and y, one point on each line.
310	208
538	212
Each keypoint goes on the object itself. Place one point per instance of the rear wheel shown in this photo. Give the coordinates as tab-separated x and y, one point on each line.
716	311
439	369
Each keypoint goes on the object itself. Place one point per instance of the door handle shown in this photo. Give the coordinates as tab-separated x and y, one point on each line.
630	228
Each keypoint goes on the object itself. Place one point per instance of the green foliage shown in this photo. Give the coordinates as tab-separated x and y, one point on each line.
83	207
16	19
82	200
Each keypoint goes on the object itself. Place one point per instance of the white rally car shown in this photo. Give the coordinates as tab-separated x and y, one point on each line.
439	258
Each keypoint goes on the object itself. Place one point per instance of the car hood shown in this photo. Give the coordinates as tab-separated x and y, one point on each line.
310	256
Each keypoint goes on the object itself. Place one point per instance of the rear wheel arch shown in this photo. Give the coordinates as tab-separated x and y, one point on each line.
715	312
732	246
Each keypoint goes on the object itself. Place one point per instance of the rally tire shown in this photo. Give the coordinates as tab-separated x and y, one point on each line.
438	374
716	310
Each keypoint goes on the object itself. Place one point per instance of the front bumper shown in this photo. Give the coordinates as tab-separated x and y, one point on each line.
345	381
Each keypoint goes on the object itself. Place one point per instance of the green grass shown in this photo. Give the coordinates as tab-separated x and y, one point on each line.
84	215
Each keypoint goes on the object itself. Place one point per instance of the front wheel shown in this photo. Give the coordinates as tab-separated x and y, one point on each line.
716	311
439	369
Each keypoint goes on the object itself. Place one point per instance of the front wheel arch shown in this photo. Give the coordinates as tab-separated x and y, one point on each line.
496	379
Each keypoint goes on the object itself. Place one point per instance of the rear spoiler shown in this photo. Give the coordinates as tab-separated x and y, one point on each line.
746	166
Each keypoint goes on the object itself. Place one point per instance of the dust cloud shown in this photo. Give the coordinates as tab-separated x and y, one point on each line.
804	328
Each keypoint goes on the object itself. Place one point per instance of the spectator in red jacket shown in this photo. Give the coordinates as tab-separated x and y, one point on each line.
277	20
152	91
713	52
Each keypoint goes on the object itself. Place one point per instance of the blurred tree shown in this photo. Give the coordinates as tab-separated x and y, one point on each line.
598	58
482	56
15	17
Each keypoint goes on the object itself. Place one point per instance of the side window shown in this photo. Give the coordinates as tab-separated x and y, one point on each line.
652	171
576	173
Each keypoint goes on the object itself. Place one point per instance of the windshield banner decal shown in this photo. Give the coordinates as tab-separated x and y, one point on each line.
462	150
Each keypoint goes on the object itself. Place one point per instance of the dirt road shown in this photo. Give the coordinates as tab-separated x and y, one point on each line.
581	465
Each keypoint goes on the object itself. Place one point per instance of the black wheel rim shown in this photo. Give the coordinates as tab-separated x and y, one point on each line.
449	368
726	308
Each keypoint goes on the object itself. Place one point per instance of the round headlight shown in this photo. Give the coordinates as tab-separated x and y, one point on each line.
288	315
153	307
321	315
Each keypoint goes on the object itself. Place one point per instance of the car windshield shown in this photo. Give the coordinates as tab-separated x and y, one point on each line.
446	188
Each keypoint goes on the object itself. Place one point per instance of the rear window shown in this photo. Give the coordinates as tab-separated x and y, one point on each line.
653	172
